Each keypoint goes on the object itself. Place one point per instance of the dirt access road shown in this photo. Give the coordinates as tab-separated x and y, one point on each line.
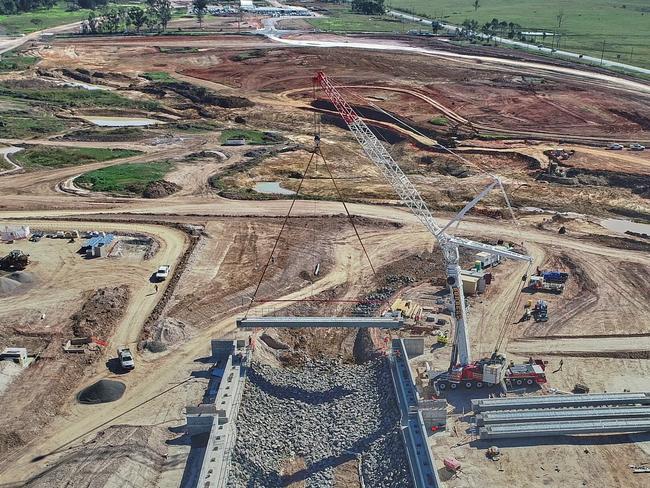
227	261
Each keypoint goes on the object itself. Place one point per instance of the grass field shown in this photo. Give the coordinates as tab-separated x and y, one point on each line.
251	136
124	178
624	25
37	157
158	76
15	62
40	19
74	97
22	125
341	19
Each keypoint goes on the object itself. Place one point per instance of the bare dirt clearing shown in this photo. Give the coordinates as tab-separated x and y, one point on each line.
232	240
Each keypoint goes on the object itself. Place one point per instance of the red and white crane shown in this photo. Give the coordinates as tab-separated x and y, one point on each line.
462	368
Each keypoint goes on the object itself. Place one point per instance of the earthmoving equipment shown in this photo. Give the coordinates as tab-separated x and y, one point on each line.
126	358
442	338
540	312
16	260
490	370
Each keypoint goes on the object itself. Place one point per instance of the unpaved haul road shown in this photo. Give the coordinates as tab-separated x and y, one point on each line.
385	45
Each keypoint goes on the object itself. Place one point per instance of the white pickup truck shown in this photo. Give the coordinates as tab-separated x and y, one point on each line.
163	272
126	358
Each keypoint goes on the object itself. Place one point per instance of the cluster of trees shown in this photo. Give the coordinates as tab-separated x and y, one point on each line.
470	28
110	19
9	7
368	7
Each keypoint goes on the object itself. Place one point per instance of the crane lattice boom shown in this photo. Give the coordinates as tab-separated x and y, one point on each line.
410	196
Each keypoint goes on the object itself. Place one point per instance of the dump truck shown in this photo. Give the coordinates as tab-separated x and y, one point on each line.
126	358
16	260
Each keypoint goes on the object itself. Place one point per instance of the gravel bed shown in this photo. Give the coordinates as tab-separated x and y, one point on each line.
323	415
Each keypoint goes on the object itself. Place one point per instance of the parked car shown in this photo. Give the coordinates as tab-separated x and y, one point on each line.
126	358
636	147
163	272
614	146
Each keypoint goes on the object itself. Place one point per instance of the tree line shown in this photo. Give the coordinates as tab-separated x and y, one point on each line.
10	7
111	19
495	28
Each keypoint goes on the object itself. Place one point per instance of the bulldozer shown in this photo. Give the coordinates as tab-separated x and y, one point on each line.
16	260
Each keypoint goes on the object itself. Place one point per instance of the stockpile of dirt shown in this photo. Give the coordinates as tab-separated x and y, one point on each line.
103	391
13	282
198	94
7	285
122	455
101	312
160	189
167	332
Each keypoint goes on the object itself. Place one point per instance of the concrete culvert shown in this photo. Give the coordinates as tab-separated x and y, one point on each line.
104	391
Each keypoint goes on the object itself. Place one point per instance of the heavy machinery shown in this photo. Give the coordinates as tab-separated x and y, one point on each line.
495	369
540	311
551	281
16	260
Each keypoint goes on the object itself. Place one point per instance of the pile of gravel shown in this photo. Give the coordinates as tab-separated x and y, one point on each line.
103	391
320	413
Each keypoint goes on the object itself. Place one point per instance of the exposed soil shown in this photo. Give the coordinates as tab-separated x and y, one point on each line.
160	189
100	312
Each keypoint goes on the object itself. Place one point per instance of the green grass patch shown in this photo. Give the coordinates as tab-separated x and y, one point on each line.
341	19
251	136
622	24
37	157
75	97
40	19
124	178
15	62
439	121
120	134
158	76
26	125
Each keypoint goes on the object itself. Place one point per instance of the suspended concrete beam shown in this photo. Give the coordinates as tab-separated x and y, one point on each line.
295	322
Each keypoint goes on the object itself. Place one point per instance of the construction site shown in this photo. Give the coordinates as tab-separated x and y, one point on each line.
268	256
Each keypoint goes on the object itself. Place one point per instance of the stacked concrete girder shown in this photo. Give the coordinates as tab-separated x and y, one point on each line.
555	415
538	429
312	322
560	401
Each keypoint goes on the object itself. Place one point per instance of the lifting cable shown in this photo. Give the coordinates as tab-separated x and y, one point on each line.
277	239
317	150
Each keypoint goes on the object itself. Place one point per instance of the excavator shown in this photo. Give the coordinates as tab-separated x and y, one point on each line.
16	260
462	370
